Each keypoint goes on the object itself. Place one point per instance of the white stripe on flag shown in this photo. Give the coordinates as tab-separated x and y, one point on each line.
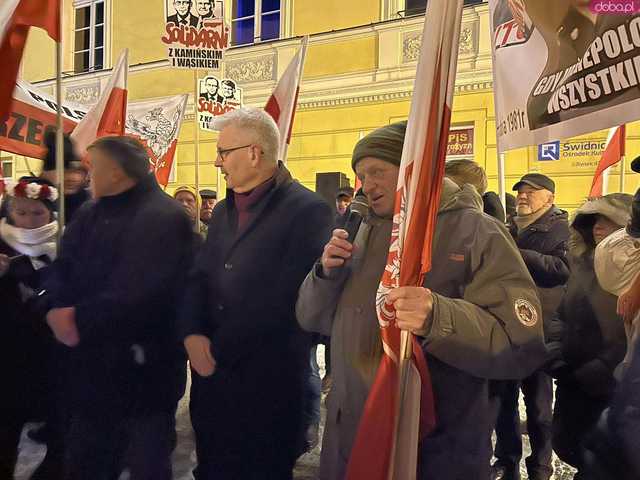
7	9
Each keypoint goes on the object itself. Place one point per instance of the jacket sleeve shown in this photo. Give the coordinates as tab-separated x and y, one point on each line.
141	280
550	268
495	330
304	247
318	299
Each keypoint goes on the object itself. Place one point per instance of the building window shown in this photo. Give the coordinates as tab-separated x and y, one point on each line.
89	37
415	7
255	20
7	169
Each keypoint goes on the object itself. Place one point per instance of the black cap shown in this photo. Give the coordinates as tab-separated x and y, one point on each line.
344	192
537	181
208	194
635	165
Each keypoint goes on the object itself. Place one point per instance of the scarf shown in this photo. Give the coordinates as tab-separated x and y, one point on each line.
31	242
523	221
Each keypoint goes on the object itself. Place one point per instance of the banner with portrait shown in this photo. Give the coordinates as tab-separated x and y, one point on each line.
561	69
216	97
195	33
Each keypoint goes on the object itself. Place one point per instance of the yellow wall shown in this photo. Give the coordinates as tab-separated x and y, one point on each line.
324	136
313	16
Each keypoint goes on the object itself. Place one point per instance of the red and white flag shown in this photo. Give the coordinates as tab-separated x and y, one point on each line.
108	116
283	101
156	123
400	409
16	17
613	153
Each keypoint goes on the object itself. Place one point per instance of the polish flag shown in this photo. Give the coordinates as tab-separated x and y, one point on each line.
284	99
16	17
108	116
613	153
400	407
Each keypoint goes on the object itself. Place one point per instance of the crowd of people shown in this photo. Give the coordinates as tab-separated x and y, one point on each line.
99	330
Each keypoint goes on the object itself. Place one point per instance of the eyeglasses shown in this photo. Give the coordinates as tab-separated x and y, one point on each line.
222	153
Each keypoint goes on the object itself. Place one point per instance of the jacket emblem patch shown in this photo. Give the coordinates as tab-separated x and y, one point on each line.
526	312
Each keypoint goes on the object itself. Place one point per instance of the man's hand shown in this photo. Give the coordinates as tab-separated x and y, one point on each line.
629	304
4	265
414	308
62	322
199	351
336	252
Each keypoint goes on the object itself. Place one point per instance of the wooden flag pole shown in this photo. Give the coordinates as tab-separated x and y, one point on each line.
59	137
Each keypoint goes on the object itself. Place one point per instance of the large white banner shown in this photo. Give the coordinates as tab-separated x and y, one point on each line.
562	69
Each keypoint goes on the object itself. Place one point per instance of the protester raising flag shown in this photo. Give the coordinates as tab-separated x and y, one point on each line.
108	116
613	153
16	17
283	101
400	405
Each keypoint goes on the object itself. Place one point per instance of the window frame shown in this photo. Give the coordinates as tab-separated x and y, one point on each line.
7	161
257	17
93	26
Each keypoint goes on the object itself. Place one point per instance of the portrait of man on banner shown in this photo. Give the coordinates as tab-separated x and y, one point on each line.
216	97
578	62
193	13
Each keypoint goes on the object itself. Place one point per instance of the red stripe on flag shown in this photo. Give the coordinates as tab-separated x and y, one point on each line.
112	121
273	108
612	154
29	13
293	115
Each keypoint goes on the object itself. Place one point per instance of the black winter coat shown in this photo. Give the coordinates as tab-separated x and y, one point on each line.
242	295
24	344
123	266
593	340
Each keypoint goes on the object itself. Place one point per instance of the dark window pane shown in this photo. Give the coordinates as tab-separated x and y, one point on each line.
81	62
99	13
415	6
98	59
99	38
7	169
472	2
82	40
243	8
270	28
270	5
83	17
242	32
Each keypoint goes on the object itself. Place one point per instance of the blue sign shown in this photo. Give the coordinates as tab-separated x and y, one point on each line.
548	152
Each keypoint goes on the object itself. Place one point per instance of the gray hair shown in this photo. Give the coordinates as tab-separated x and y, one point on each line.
260	124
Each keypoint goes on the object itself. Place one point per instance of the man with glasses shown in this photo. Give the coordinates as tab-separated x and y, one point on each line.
183	15
248	356
541	232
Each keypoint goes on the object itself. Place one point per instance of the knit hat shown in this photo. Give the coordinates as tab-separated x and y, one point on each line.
185	188
384	143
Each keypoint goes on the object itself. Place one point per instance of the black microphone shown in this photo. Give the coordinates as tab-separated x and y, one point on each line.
359	209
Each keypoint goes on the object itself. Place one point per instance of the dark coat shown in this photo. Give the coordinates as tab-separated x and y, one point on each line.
241	295
543	246
192	19
123	266
24	344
